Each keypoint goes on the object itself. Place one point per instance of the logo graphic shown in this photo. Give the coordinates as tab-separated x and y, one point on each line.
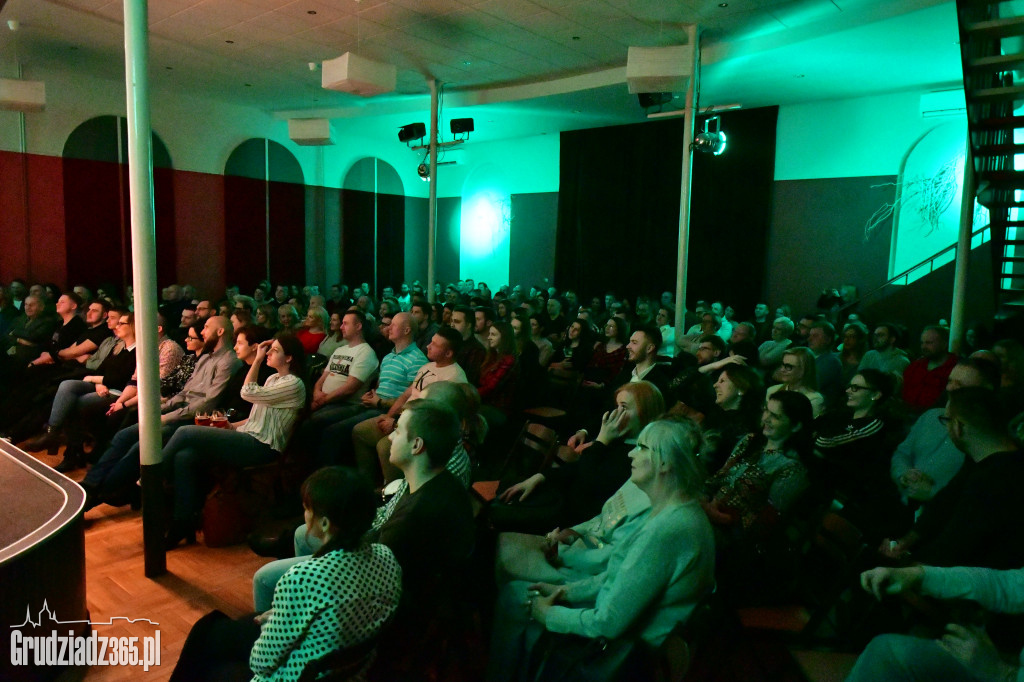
71	649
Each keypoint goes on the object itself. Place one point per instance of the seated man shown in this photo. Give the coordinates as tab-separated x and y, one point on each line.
112	478
428	526
821	340
925	378
471	352
397	372
885	354
642	354
336	395
26	338
926	461
964	654
978	522
368	434
423	328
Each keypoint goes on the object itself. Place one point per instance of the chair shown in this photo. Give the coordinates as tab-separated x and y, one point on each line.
533	449
341	664
829	566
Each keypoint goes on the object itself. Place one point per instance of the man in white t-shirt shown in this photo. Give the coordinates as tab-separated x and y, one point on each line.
366	436
344	380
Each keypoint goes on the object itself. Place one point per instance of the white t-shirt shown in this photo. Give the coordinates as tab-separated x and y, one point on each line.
430	372
355	361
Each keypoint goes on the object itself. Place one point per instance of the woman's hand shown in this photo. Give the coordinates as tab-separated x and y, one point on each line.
116	406
893	549
523	489
102	390
884	580
261	351
972	647
262	618
555	538
541	604
614	425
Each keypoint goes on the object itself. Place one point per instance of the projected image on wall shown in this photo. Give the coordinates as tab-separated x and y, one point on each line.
926	212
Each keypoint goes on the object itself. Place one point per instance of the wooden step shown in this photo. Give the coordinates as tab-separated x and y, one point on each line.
998	123
1010	93
995	28
999	149
1012	259
1004	179
996	63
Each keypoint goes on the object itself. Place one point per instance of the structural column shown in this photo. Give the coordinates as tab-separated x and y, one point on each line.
140	187
963	254
689	119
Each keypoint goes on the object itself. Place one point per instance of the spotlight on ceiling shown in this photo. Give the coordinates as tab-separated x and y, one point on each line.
461	125
413	131
710	141
423	170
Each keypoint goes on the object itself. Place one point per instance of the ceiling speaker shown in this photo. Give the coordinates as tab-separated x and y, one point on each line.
310	131
18	95
659	69
358	75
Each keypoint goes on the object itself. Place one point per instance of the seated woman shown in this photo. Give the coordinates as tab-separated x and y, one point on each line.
771	351
546	350
498	374
313	330
340	597
261	438
852	455
575	492
575	351
798	374
332	340
853	348
739	397
608	356
288	318
92	395
653	579
193	349
266	316
759	482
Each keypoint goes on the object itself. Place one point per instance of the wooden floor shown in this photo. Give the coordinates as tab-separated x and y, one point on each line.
198	580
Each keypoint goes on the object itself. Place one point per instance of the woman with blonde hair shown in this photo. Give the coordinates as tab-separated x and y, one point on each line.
653	579
313	330
798	373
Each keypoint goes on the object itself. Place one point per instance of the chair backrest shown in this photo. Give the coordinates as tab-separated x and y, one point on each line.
340	664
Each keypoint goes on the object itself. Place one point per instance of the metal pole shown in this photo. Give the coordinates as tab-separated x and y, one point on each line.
140	184
689	120
432	203
963	254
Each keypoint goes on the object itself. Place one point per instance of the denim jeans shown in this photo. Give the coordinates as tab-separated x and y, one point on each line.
71	395
902	658
118	468
265	579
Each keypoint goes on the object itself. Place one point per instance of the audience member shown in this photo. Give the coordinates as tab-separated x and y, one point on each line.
925	378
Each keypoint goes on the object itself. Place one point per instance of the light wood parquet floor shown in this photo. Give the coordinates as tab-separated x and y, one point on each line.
198	580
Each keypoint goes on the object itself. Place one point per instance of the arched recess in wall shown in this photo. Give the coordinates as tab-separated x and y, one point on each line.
97	209
264	215
373	225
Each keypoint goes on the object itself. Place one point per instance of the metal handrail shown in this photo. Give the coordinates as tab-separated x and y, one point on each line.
906	273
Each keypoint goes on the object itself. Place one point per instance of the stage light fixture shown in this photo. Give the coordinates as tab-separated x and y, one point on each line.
423	170
461	125
413	131
710	141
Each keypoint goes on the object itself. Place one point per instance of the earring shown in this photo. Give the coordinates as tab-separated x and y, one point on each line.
324	525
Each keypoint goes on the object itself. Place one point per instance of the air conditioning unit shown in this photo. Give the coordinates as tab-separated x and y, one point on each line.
358	75
310	131
659	69
943	103
17	95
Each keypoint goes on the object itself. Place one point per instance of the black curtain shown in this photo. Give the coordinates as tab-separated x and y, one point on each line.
618	210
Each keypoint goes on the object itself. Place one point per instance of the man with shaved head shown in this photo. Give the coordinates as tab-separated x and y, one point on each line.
397	371
26	338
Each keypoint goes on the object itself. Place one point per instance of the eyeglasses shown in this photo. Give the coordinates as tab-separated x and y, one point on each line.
944	420
192	338
856	388
121	322
788	367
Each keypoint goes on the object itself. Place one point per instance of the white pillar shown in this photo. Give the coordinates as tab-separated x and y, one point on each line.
963	254
689	120
432	204
140	184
